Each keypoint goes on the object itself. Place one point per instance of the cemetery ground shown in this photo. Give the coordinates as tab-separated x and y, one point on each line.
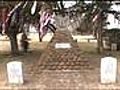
83	79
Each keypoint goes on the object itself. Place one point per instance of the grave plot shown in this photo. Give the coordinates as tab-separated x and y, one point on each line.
62	53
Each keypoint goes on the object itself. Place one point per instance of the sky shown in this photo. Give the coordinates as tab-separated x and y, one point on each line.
114	23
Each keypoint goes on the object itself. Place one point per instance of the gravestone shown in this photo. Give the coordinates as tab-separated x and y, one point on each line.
113	46
108	70
14	72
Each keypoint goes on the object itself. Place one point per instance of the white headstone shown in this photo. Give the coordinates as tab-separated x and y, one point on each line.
108	70
113	46
14	72
62	45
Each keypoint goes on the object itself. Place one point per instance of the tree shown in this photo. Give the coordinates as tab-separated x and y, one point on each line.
95	15
18	16
14	23
102	7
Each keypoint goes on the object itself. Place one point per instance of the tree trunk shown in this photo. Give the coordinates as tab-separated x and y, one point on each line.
14	44
39	37
99	39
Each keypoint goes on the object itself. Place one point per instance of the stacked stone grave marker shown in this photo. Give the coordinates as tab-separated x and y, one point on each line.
67	58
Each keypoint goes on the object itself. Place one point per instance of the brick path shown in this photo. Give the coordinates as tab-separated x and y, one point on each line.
63	80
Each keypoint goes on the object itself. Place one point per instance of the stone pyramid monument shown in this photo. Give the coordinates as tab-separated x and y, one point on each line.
61	58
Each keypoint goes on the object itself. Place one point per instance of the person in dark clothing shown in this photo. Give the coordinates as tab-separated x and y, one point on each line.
24	42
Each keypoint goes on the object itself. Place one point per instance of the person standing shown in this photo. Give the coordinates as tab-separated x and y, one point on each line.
24	42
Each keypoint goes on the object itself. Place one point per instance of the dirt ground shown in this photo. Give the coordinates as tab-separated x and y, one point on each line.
59	79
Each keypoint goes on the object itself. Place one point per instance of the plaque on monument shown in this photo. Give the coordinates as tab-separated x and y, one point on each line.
108	70
62	45
14	72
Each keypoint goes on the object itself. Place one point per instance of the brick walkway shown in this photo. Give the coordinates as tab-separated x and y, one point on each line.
63	80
